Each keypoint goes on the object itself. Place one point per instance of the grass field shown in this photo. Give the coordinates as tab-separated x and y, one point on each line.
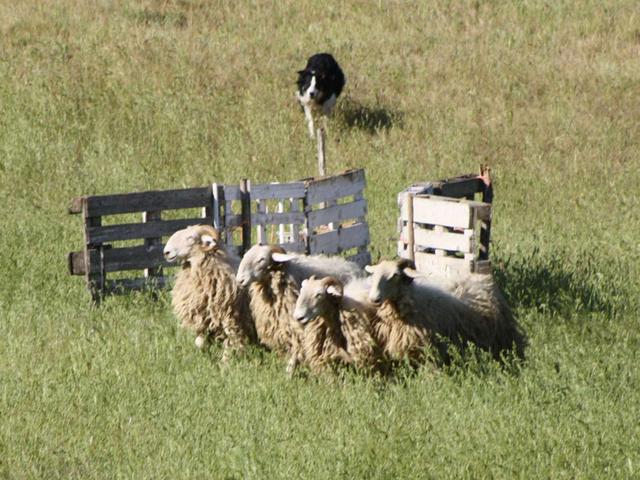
119	96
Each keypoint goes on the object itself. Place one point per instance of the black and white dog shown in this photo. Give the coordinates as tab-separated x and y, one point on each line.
319	86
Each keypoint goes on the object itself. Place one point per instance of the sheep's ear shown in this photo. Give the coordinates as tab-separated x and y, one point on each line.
410	272
334	291
369	269
304	282
281	257
406	263
208	242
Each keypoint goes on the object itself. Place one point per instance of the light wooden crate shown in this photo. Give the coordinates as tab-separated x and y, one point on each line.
443	234
315	215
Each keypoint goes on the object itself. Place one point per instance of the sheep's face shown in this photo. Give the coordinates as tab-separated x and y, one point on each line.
317	297
191	242
388	278
258	262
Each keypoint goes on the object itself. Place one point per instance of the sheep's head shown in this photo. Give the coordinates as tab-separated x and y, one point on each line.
317	297
259	261
388	278
191	243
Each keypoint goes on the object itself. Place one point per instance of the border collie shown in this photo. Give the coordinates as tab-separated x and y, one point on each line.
319	86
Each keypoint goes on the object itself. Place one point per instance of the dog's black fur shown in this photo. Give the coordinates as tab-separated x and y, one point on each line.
320	83
329	77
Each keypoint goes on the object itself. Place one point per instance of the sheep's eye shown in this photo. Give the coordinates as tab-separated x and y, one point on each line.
318	295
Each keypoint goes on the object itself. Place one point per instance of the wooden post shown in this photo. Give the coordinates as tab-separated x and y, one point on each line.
94	271
151	243
245	200
261	230
410	240
485	226
322	161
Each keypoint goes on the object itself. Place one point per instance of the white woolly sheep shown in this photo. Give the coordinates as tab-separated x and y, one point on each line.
413	314
500	329
206	297
260	259
338	324
272	299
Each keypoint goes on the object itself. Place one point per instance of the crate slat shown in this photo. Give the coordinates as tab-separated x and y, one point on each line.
143	201
338	213
459	187
450	241
333	188
336	241
428	262
448	212
132	231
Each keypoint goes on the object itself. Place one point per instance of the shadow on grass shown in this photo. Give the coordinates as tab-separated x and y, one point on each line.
554	285
371	119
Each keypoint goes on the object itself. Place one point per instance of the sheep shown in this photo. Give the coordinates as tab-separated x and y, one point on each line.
261	258
337	324
273	278
499	326
272	298
414	314
206	298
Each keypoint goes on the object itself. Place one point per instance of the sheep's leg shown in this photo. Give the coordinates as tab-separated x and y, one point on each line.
226	352
202	341
292	364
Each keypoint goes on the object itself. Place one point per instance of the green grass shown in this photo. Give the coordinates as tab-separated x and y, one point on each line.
107	97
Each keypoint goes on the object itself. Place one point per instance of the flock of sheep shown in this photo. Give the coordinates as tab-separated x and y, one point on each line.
322	311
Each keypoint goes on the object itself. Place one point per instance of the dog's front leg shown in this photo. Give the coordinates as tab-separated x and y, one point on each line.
308	115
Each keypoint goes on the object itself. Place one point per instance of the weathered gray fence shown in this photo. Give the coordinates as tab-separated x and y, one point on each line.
323	215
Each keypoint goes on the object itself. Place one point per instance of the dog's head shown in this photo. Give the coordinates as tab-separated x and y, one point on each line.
309	82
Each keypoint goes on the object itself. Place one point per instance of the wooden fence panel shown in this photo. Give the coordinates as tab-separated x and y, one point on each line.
290	224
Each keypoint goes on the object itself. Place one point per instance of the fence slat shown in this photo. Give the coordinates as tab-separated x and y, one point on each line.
332	188
277	218
132	231
338	213
276	191
125	285
336	241
143	201
118	259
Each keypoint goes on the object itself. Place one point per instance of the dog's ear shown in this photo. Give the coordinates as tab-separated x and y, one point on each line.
302	72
